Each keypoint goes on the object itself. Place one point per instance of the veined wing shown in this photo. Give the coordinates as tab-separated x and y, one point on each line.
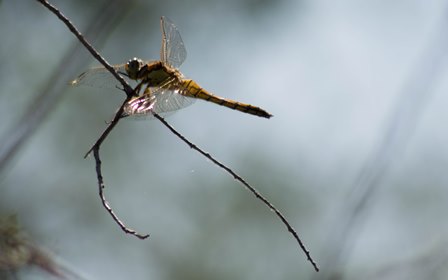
162	99
173	51
99	77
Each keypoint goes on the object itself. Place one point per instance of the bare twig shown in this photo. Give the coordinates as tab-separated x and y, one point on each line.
237	177
47	96
96	154
108	129
130	93
88	46
96	147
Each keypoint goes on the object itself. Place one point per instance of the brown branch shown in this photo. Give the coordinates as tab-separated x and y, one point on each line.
96	154
108	129
89	47
130	93
48	96
257	194
96	147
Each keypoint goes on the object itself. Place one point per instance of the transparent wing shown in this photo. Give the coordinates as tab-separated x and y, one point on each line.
173	51
170	100
159	100
99	77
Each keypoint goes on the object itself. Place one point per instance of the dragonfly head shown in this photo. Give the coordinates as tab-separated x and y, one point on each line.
133	67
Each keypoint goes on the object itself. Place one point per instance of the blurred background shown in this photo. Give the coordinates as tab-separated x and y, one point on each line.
355	155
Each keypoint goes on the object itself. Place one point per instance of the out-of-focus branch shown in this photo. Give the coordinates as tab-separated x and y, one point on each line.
397	132
17	251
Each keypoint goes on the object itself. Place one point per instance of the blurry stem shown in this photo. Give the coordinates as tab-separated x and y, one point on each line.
397	133
17	252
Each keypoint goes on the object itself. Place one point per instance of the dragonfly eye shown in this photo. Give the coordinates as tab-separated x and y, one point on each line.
133	66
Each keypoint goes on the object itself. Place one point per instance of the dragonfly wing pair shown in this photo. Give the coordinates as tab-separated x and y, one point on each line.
158	100
162	88
167	96
99	77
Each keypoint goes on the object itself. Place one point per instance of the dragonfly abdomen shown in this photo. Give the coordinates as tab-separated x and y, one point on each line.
192	89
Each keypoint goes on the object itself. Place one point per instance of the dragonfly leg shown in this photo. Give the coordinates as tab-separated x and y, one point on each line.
138	88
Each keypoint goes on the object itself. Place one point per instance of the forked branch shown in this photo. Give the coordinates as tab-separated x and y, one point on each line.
130	92
96	147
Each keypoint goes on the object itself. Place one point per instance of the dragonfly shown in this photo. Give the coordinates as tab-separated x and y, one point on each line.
161	87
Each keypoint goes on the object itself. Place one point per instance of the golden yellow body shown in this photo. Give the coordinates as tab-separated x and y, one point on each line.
165	88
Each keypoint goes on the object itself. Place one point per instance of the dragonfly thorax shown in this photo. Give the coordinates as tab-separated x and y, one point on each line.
150	73
156	73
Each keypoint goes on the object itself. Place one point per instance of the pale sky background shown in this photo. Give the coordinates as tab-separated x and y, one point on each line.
333	74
